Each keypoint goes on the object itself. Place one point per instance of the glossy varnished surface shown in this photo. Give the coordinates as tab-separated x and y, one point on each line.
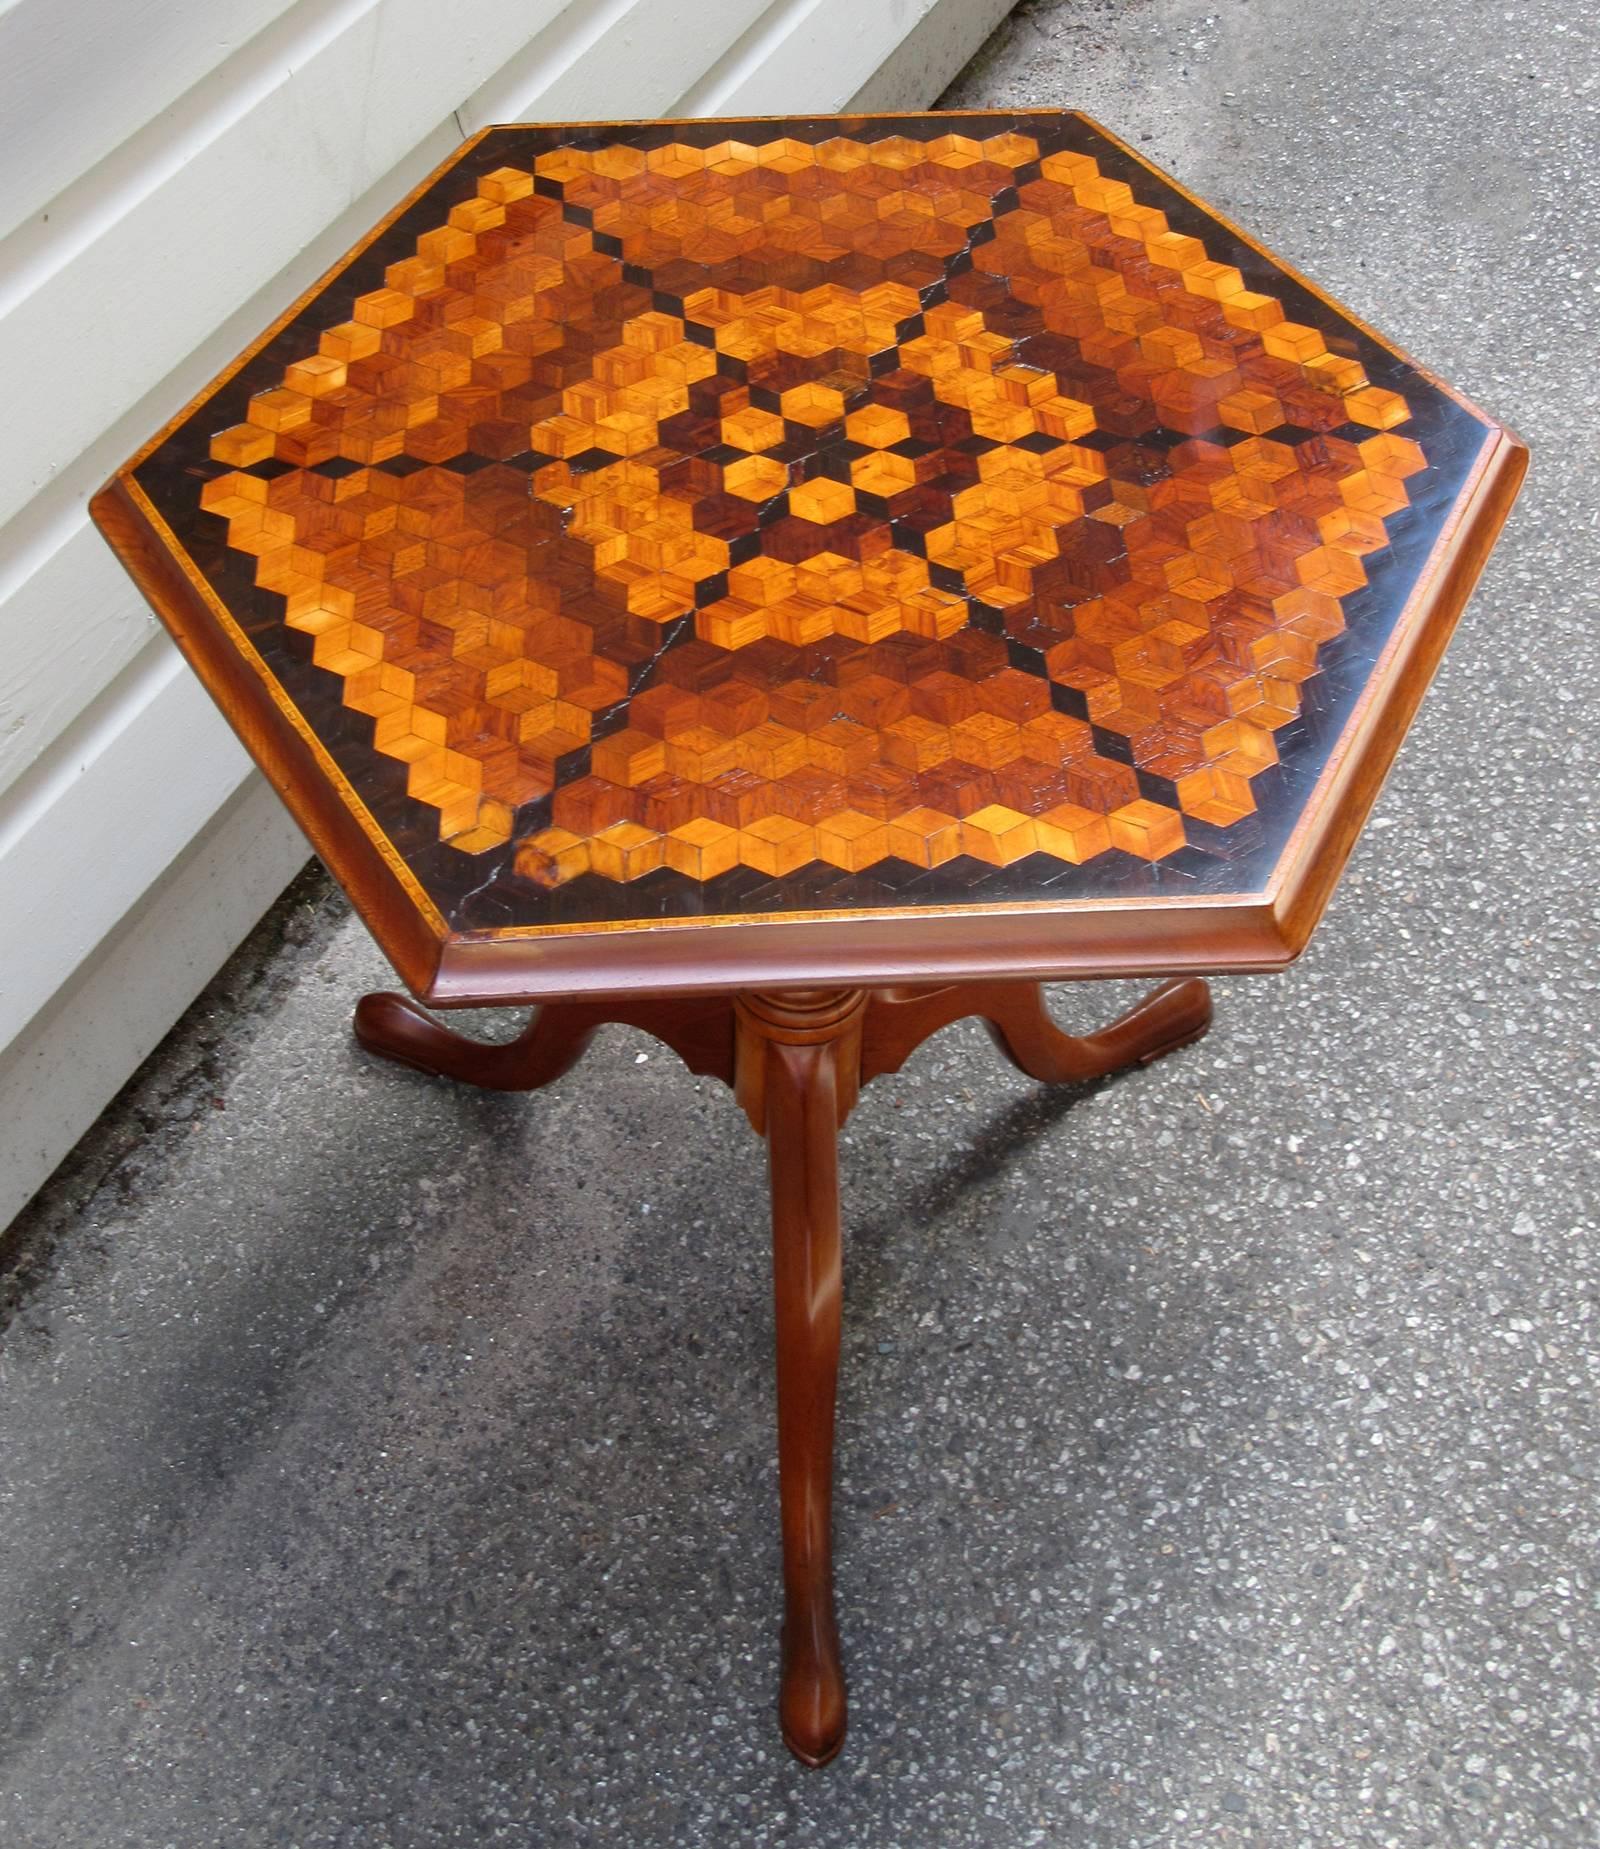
826	519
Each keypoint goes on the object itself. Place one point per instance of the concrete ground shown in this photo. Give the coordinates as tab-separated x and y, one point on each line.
382	1463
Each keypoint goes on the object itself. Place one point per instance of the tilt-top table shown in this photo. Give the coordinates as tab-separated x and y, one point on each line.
787	585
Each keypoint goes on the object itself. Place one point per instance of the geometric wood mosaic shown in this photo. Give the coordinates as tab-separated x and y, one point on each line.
666	519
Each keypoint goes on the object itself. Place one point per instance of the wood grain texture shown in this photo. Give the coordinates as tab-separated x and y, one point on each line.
797	1066
699	1030
703	550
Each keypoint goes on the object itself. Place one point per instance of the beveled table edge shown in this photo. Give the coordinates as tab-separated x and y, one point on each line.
294	761
1321	843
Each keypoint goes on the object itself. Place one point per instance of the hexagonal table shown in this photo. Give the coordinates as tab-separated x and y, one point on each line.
790	584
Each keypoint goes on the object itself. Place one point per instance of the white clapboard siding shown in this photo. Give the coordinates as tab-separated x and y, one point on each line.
148	776
148	53
196	173
68	626
92	1035
833	47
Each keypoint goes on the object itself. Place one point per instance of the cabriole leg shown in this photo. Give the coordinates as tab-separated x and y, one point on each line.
797	1067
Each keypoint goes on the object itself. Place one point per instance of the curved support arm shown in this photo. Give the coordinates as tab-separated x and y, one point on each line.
1173	1016
899	1020
698	1029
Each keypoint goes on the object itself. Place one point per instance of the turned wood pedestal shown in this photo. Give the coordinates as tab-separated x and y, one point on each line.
797	1061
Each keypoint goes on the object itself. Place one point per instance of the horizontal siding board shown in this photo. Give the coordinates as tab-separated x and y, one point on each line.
821	49
97	1029
86	836
66	632
78	78
628	58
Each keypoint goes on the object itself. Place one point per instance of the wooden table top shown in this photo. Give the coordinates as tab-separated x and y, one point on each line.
705	554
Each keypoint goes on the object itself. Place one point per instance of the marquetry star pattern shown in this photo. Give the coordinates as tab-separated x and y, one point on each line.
836	499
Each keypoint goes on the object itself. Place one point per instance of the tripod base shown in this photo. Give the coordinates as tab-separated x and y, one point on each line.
797	1061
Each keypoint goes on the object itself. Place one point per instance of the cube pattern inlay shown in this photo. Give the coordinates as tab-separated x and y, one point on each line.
674	519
